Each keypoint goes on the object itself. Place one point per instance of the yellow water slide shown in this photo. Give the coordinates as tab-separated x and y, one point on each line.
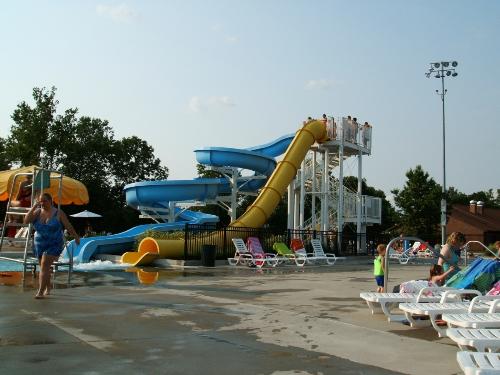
258	213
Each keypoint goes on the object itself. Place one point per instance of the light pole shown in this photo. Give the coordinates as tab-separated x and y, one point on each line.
443	69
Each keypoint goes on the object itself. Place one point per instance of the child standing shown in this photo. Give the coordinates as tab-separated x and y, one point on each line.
379	268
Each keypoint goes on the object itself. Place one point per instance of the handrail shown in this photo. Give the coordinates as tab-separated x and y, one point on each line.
386	258
466	247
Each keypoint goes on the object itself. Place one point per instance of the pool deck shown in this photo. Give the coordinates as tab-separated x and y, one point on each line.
222	320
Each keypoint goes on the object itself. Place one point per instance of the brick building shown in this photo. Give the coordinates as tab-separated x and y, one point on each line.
477	222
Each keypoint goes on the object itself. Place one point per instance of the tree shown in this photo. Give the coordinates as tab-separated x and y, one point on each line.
4	159
419	202
83	148
29	135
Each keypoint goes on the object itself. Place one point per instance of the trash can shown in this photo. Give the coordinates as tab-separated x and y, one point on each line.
208	256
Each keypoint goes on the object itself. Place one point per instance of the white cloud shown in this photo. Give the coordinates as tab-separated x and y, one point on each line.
120	13
225	101
197	104
216	27
219	30
318	84
232	39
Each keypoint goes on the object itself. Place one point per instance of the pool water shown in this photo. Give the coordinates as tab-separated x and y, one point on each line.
6	265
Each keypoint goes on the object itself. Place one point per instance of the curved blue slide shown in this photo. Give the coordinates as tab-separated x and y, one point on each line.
158	194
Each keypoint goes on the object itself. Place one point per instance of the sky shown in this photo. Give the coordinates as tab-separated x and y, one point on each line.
189	74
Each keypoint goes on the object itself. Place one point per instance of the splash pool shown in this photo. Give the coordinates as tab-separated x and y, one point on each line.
7	265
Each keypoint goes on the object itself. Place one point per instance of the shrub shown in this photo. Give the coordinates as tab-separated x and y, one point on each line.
159	235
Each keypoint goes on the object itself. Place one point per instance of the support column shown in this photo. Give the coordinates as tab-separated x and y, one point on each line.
234	194
302	194
291	205
296	194
340	208
313	195
326	185
171	212
359	203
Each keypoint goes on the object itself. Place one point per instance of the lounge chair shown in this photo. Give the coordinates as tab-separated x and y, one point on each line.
298	247
260	257
242	256
388	301
480	339
285	255
434	310
474	363
471	319
418	250
320	254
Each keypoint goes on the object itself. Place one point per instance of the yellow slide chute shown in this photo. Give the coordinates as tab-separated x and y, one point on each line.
259	212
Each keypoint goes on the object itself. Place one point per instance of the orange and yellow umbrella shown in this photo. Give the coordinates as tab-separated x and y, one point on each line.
72	192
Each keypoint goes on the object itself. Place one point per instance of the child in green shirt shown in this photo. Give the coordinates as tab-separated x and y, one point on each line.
379	268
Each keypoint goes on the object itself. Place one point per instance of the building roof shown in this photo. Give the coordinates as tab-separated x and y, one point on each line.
488	221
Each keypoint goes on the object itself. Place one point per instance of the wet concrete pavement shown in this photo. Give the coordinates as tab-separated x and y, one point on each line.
224	320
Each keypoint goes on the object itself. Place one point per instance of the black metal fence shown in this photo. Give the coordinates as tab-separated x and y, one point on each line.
211	234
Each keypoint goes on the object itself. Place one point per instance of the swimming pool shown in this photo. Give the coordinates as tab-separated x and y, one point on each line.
7	265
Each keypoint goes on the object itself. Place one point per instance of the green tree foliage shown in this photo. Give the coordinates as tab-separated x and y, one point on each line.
489	198
4	159
419	202
29	142
83	148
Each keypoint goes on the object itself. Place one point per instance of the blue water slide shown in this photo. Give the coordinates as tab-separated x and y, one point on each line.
158	194
119	243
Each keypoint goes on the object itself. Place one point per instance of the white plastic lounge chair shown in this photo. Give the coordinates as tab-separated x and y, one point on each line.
482	340
388	301
298	248
242	256
418	250
474	363
434	310
472	319
320	254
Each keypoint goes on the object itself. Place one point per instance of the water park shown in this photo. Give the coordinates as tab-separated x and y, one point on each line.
182	241
310	172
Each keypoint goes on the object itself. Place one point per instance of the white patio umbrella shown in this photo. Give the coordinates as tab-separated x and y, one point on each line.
86	214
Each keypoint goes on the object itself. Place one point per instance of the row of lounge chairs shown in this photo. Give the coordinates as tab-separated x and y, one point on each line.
472	323
252	253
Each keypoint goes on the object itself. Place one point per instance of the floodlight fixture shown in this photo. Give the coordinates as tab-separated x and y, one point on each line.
448	73
446	64
454	64
454	74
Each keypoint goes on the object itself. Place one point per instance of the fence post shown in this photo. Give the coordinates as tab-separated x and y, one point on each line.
186	231
224	244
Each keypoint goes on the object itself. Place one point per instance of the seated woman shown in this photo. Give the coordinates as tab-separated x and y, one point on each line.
450	253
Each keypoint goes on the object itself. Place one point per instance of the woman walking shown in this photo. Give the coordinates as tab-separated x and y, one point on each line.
49	223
